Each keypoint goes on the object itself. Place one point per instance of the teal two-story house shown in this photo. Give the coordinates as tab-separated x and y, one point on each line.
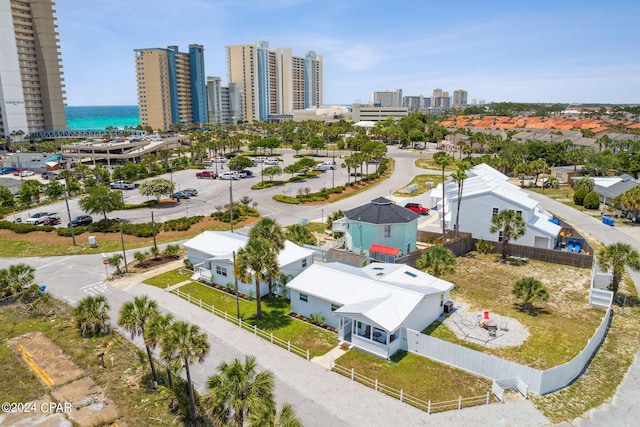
379	223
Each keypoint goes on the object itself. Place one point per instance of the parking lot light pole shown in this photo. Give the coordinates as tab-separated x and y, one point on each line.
231	203
73	235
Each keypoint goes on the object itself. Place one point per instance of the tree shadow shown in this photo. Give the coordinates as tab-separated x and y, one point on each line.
531	310
624	300
398	356
272	320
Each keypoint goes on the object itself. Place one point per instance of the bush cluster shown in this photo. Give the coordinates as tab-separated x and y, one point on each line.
181	224
21	228
286	199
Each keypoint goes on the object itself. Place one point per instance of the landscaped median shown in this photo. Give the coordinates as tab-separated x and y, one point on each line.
292	334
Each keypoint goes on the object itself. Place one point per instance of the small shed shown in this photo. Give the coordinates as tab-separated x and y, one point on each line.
384	253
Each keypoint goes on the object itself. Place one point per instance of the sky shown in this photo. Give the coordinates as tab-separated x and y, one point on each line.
516	51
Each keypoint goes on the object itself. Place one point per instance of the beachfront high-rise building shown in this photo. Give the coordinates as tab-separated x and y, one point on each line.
459	98
31	85
171	86
225	103
274	82
388	98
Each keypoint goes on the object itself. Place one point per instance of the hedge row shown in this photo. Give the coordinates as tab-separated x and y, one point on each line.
21	228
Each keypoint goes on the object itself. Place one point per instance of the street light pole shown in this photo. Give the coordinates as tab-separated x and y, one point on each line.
124	254
231	202
236	285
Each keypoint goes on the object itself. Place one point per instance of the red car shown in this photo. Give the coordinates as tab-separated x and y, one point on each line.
206	174
417	208
18	171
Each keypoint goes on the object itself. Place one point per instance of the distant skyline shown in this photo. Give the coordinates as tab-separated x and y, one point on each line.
543	51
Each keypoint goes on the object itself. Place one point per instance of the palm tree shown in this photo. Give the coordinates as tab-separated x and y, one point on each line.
300	235
237	391
459	176
92	315
615	257
443	160
185	342
267	415
511	225
134	317
438	260
114	262
268	229
159	326
530	289
258	262
15	278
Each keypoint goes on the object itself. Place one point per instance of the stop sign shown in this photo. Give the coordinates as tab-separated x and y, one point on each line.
105	261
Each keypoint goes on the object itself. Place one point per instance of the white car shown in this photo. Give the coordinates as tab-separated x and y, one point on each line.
220	160
229	175
27	173
38	218
122	185
271	162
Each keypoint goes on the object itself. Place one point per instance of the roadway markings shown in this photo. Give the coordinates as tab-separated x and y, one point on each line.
95	288
52	263
41	373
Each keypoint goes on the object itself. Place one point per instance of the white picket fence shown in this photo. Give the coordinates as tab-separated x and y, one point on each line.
427	406
244	325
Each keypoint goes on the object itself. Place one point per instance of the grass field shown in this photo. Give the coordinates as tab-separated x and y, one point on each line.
169	278
275	319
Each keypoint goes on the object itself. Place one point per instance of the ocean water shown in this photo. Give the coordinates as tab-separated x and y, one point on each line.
101	117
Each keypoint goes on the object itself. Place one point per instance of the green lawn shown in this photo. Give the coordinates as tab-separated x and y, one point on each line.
420	181
416	375
275	319
169	278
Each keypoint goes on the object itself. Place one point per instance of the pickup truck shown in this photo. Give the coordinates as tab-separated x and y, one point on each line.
206	174
122	185
417	208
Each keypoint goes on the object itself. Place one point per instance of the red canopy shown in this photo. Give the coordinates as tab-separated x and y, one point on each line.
385	250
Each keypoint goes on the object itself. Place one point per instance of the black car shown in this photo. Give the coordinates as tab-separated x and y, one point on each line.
190	192
80	221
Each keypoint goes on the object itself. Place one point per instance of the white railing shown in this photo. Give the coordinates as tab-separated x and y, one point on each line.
428	406
244	325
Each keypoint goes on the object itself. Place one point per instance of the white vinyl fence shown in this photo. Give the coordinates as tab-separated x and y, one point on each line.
495	368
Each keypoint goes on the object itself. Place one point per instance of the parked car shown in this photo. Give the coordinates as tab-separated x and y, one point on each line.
246	173
27	173
52	219
122	185
271	162
259	159
220	159
229	175
49	175
180	195
5	170
18	171
230	155
206	174
80	221
190	192
37	218
417	208
323	167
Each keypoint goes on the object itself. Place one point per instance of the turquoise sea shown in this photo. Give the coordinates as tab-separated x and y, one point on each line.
101	117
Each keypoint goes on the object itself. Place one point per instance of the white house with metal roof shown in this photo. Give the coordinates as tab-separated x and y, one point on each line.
212	255
371	306
485	193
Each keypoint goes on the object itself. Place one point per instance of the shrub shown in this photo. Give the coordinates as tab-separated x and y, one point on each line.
172	251
579	195
484	247
181	224
21	228
286	199
592	200
66	232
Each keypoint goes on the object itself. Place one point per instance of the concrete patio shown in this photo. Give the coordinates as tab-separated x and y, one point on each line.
467	326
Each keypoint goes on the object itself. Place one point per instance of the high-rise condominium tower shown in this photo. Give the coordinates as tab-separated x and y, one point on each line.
459	97
388	98
171	86
274	82
31	88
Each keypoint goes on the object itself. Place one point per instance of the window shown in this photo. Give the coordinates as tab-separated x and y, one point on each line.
304	297
441	300
495	211
304	263
221	271
500	236
519	214
334	307
387	231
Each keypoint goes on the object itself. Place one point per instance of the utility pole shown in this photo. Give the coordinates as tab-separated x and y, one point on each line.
153	230
231	203
124	254
73	234
236	285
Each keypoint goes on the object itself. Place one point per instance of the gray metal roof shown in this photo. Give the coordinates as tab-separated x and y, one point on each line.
616	189
381	211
